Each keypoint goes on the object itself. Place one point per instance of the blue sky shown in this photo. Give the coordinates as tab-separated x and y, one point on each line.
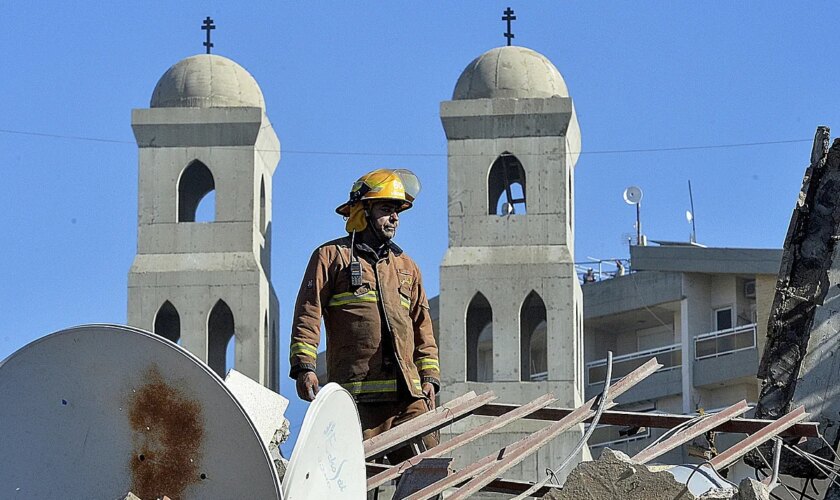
354	86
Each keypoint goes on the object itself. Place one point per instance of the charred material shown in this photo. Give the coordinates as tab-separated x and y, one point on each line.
802	286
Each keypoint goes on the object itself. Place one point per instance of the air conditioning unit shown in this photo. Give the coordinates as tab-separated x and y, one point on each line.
749	289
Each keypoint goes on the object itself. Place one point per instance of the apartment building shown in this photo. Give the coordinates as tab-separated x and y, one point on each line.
702	312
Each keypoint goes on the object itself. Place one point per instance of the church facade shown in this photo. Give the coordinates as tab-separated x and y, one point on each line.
202	273
510	305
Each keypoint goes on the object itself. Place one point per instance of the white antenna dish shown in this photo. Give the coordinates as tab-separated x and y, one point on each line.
507	208
101	410
689	216
633	195
329	458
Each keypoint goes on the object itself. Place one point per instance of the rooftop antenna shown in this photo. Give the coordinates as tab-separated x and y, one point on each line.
208	25
633	196
689	215
509	17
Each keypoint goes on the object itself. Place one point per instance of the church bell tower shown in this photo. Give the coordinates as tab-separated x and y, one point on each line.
201	276
510	302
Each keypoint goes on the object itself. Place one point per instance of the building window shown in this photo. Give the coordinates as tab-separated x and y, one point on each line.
220	336
479	340
196	194
274	352
168	322
263	220
533	339
506	186
723	318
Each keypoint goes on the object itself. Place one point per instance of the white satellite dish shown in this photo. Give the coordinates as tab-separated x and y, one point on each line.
507	209
689	217
101	410
633	195
329	458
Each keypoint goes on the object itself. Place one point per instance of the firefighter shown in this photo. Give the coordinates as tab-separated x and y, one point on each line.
380	345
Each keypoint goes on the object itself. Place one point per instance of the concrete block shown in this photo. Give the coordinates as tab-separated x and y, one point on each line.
614	475
265	407
750	489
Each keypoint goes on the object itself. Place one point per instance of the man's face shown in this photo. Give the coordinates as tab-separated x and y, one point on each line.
384	218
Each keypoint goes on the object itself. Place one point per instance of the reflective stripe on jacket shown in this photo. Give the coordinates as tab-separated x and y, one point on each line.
359	338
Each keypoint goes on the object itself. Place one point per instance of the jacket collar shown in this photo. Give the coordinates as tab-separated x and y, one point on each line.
381	253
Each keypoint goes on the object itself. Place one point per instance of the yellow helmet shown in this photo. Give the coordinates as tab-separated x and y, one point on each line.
383	184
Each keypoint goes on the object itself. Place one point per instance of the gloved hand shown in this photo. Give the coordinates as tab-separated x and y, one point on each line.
429	391
307	385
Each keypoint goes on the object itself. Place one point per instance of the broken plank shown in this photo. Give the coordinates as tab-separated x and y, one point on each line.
488	468
423	424
689	433
655	420
507	486
739	449
462	439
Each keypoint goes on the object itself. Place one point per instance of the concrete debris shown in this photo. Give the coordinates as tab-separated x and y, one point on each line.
264	407
727	494
280	436
750	489
614	476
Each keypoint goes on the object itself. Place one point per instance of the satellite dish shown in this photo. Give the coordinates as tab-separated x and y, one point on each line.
689	216
633	195
507	208
103	410
329	458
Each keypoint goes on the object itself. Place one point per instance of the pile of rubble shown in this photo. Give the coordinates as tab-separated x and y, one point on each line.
614	475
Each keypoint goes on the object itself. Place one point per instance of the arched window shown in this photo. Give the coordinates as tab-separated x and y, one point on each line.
168	322
263	220
533	341
196	194
479	340
274	352
506	186
220	336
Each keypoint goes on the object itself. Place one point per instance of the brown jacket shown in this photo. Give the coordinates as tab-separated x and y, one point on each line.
368	349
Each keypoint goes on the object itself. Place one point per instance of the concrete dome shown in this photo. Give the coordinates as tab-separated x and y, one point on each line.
510	71
207	81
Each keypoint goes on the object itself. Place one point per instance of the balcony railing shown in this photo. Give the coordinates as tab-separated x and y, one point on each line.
539	376
719	343
669	356
610	435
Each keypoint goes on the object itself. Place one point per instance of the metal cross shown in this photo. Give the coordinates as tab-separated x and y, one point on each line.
207	26
509	17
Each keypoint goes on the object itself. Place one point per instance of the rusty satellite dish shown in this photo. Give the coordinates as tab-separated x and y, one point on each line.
329	457
100	410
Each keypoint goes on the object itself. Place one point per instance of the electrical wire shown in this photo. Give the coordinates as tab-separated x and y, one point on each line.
670	432
423	155
831	473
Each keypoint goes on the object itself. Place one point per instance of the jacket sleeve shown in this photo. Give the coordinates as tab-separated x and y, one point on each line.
306	323
425	346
